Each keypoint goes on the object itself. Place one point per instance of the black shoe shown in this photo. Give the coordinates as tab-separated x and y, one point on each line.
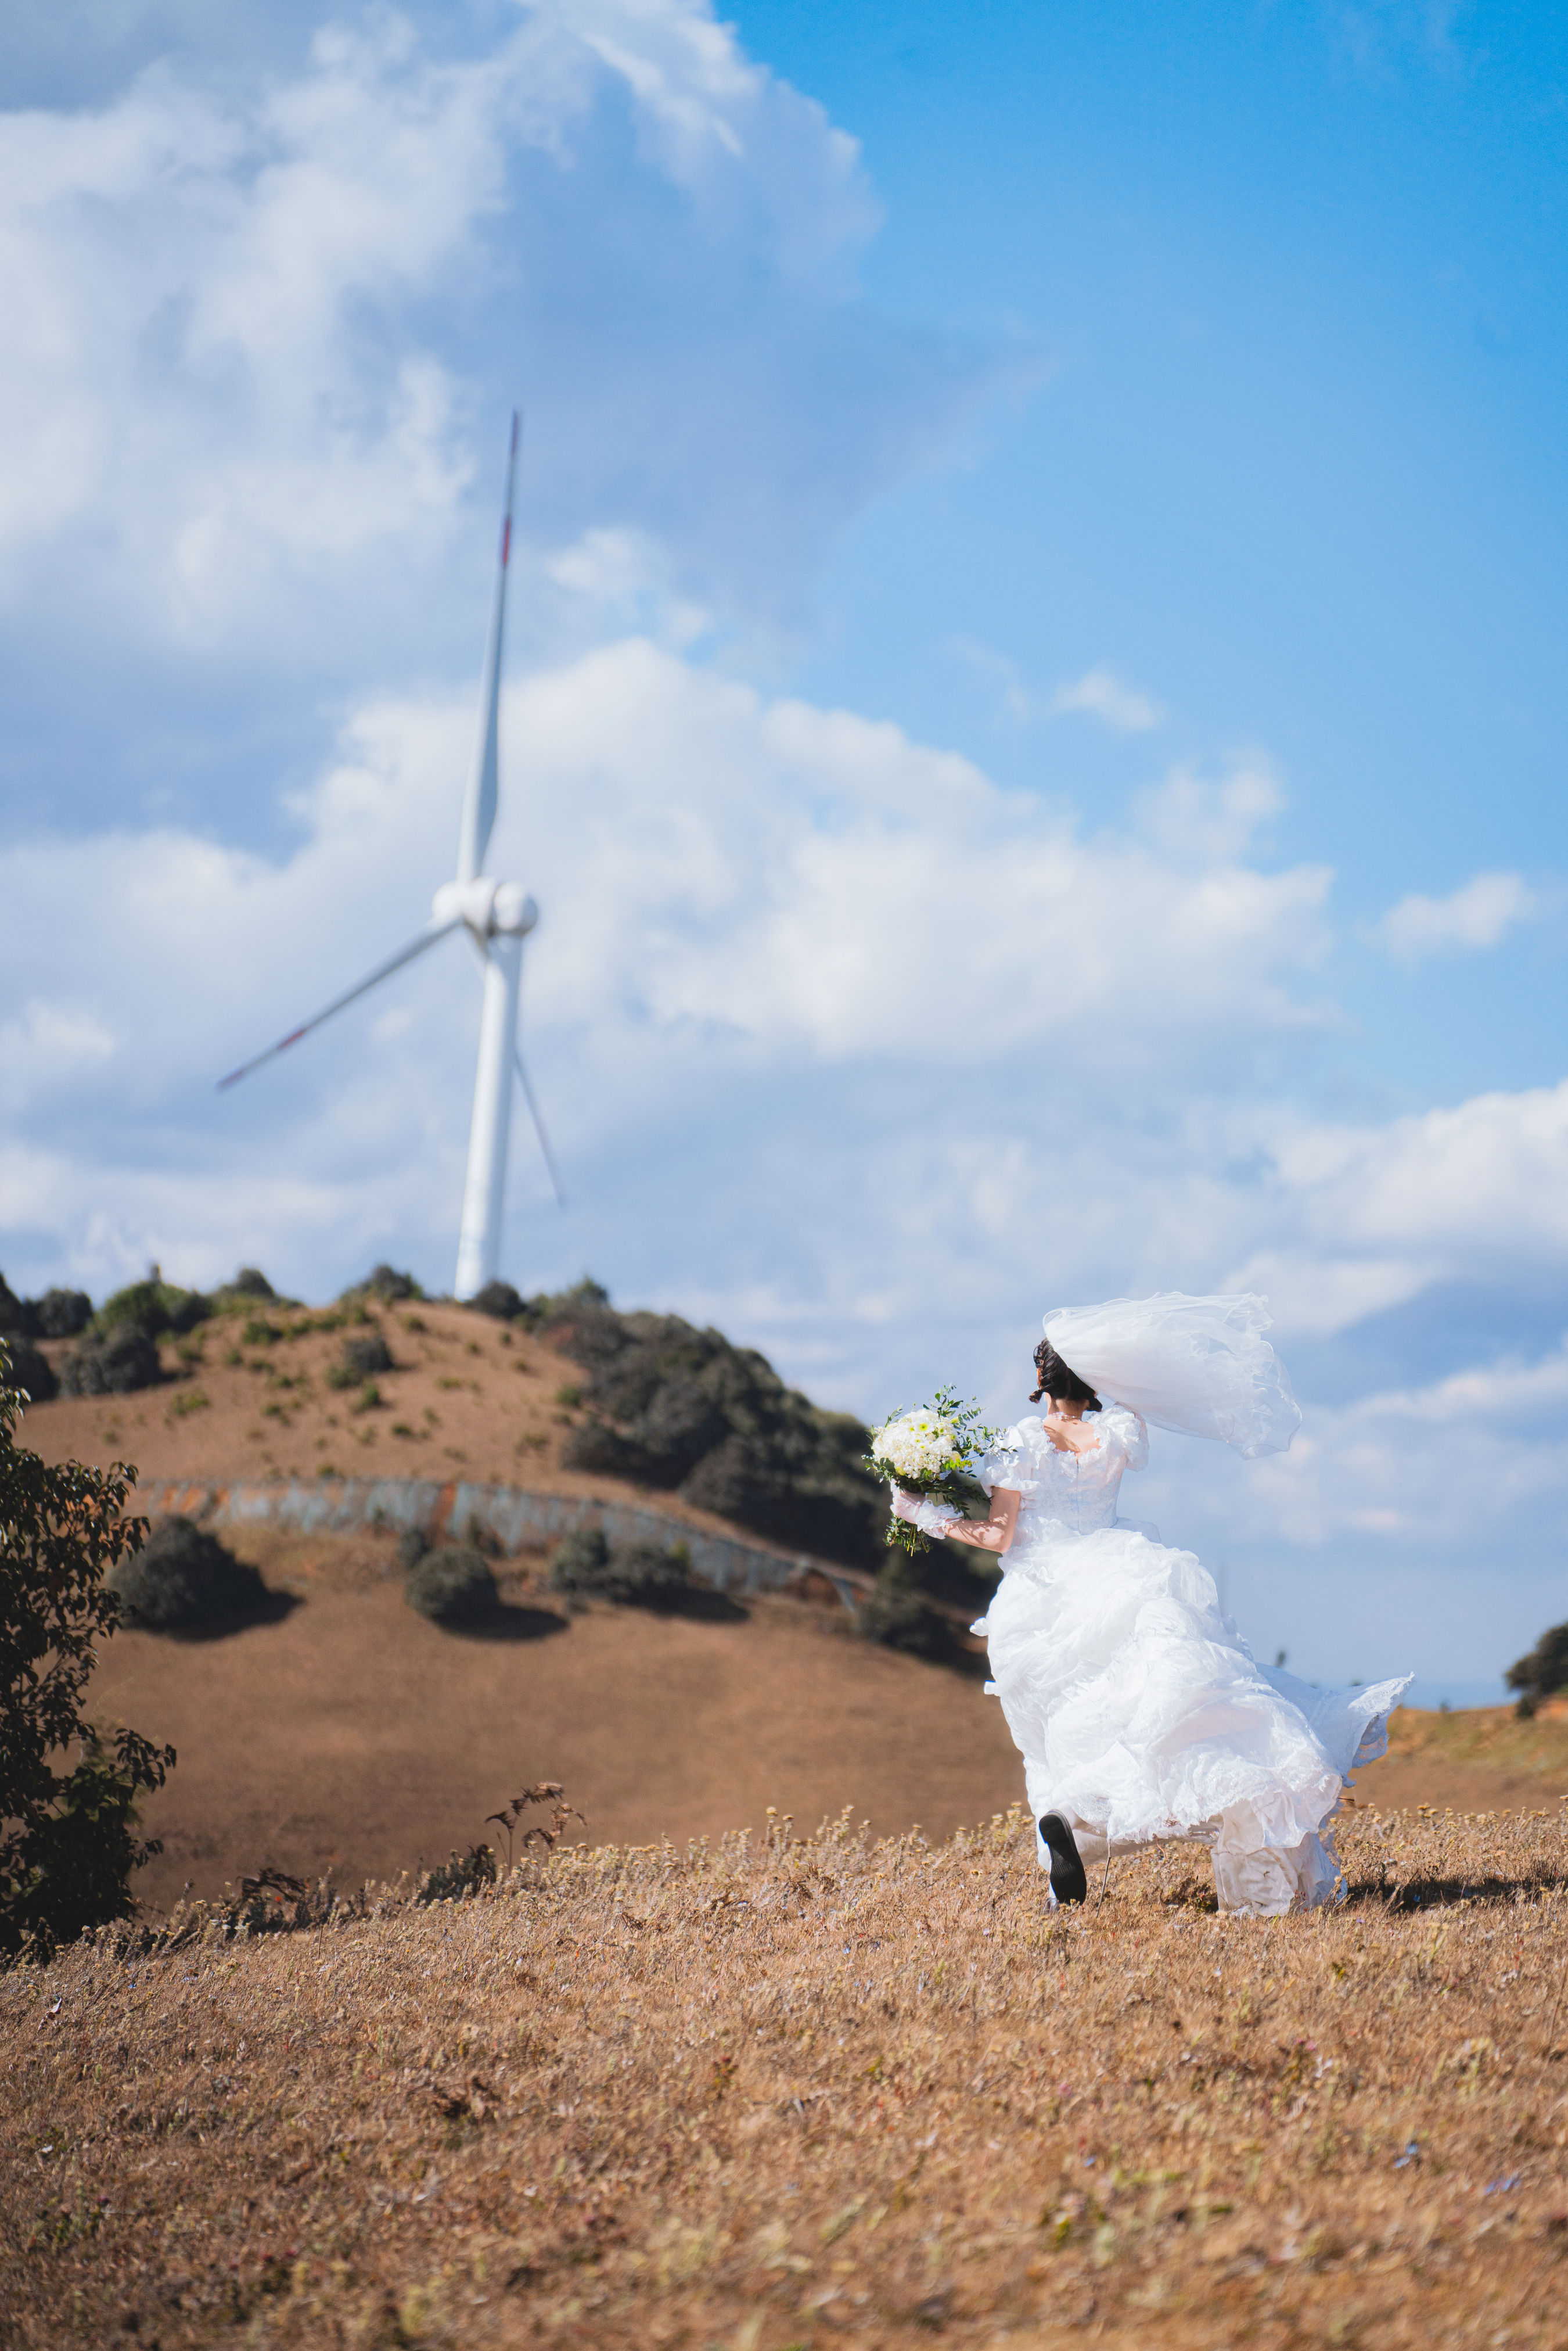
1068	1883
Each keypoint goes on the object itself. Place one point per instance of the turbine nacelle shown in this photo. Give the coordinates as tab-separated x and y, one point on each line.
488	909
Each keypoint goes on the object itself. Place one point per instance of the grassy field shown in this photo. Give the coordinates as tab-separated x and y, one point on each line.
776	2093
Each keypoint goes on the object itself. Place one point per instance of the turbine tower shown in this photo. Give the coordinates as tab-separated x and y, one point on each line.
497	917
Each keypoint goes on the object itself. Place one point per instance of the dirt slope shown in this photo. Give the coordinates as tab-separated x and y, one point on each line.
354	1733
468	1398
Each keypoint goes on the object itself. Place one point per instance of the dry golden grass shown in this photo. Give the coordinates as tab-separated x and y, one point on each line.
827	2090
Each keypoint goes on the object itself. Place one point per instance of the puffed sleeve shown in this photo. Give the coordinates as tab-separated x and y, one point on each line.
1012	1460
1123	1430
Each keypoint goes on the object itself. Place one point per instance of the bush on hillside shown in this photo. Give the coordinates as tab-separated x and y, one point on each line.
1542	1671
32	1371
113	1362
453	1586
412	1545
58	1314
671	1406
155	1307
384	1281
898	1615
497	1298
249	1283
183	1579
62	1313
367	1355
640	1576
580	1562
70	1841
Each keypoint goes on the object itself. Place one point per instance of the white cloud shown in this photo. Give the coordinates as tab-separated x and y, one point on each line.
46	1040
1384	1464
259	329
1367	1217
1102	695
1477	915
1191	816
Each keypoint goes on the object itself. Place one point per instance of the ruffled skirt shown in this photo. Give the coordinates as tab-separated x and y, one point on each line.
1143	1716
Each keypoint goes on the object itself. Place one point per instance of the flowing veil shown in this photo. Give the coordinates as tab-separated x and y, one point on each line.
1200	1365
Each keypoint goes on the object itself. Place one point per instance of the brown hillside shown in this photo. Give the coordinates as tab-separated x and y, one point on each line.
469	1398
356	1735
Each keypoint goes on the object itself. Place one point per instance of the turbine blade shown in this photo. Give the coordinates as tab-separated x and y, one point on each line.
484	788
427	938
526	1084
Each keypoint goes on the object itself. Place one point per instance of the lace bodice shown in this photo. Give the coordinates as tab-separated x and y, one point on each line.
1074	1490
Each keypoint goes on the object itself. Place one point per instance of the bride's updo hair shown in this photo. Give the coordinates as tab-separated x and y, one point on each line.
1059	1381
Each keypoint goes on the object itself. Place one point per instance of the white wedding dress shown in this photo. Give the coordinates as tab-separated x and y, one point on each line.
1141	1713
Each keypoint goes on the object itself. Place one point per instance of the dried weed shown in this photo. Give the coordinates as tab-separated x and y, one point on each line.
790	2092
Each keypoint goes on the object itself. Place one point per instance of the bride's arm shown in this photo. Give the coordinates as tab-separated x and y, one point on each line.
994	1533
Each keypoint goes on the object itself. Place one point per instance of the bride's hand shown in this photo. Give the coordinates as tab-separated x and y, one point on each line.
903	1505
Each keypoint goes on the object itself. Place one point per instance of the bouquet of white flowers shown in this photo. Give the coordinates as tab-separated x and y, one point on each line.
931	1451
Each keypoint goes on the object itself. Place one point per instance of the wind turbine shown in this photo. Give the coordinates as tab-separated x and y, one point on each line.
497	917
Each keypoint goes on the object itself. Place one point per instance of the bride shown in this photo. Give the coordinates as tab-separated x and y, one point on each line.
1141	1712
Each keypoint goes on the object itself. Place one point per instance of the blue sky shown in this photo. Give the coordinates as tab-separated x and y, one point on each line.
1035	718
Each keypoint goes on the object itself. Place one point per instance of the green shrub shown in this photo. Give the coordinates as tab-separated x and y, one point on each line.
499	1298
183	1579
898	1615
69	1841
32	1371
16	1321
249	1283
453	1586
641	1576
580	1562
110	1363
385	1281
672	1407
412	1545
1543	1670
364	1357
645	1576
154	1306
62	1313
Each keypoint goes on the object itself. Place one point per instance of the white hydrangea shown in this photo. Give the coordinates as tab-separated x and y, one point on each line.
917	1444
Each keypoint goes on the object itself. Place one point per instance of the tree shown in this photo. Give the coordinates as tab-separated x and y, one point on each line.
68	1837
1542	1671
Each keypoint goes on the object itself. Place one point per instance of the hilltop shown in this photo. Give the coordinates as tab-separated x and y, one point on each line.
248	1396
